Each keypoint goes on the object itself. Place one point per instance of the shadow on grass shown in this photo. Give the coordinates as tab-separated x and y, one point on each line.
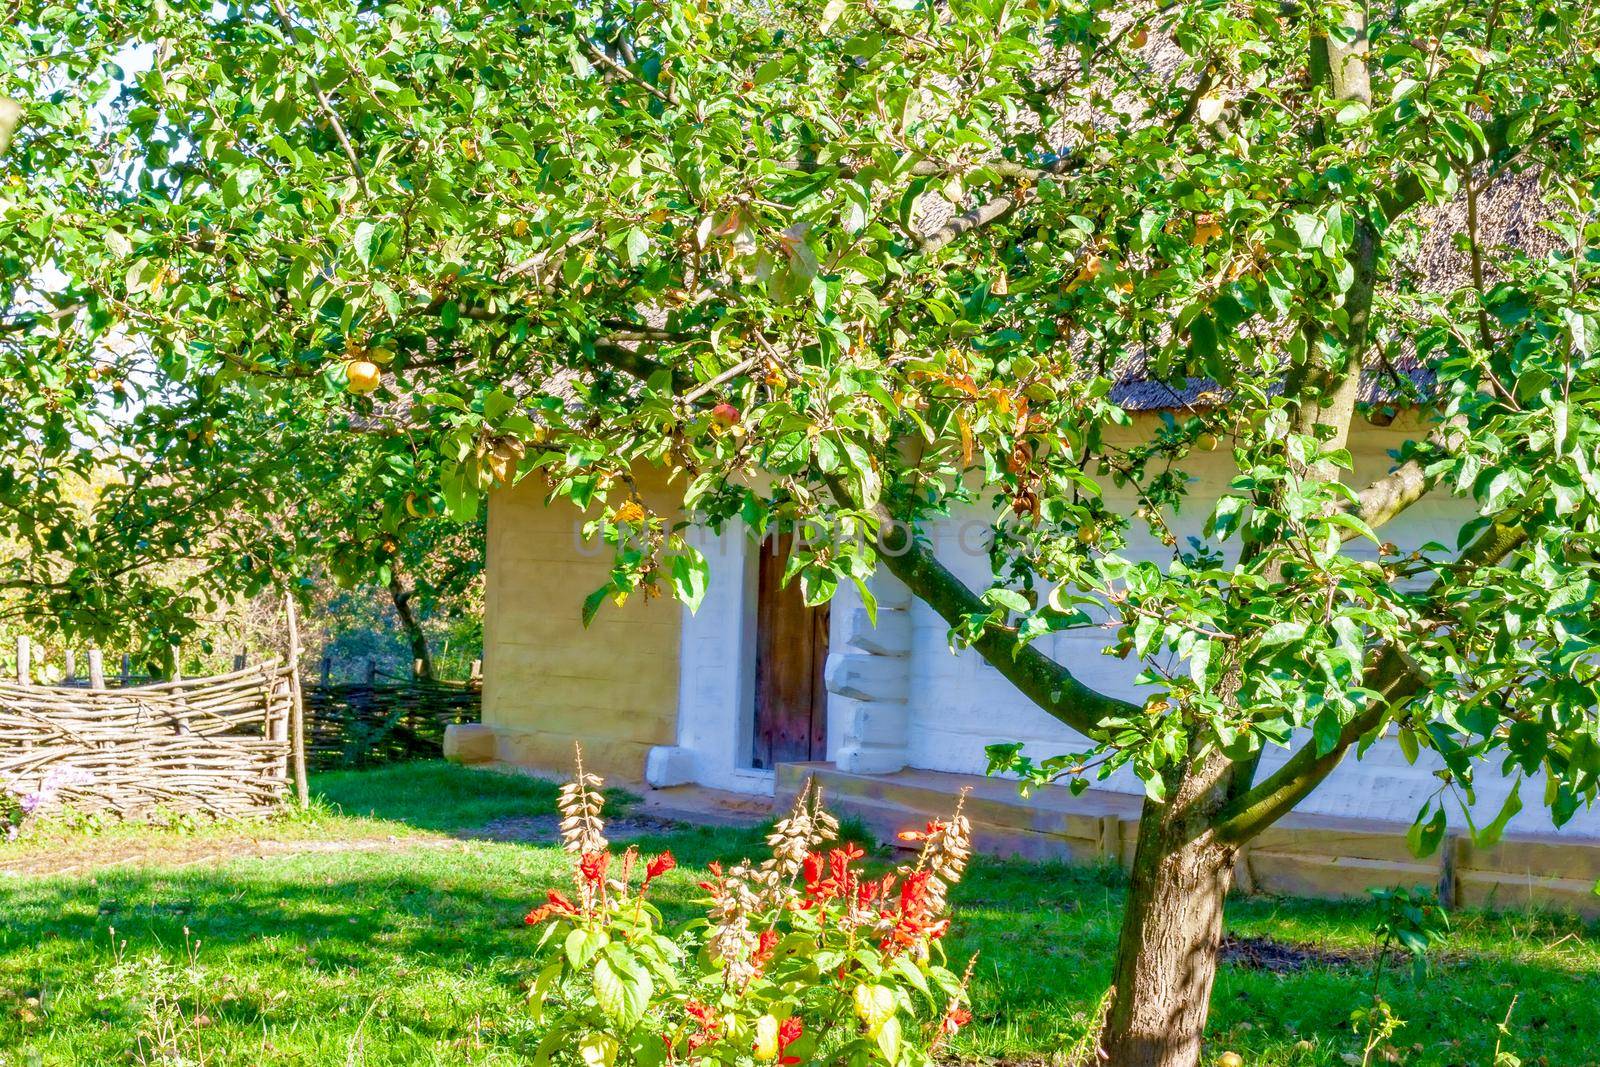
418	954
434	795
423	953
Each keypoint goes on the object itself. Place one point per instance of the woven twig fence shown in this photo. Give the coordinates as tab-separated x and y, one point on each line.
362	725
217	746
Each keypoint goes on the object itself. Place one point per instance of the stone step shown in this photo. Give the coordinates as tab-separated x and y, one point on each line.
1303	855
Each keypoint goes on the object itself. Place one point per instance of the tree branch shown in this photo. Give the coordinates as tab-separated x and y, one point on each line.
1387	497
1409	191
998	208
1001	206
973	219
327	109
599	56
1041	679
1388	675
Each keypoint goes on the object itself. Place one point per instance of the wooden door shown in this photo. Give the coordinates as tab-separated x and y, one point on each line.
791	650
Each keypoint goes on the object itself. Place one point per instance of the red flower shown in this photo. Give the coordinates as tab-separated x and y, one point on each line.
708	1024
789	1032
934	826
914	920
914	893
558	905
955	1019
714	885
838	880
869	892
659	866
766	944
839	860
593	866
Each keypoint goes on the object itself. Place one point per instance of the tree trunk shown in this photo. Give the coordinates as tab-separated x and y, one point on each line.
420	656
1167	954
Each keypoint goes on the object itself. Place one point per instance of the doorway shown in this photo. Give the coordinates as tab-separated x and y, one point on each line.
791	700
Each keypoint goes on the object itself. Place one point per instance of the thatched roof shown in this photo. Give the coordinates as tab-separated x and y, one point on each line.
1510	212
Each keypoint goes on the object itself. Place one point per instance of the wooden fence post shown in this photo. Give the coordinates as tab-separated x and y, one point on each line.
177	664
71	665
24	660
240	660
477	671
372	671
297	722
327	670
97	668
127	670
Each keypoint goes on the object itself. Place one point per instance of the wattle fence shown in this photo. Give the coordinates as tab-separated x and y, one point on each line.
222	746
363	724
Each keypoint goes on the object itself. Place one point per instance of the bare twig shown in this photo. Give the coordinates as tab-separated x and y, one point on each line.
327	109
598	54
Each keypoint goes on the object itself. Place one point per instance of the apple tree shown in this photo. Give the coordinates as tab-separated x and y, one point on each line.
860	262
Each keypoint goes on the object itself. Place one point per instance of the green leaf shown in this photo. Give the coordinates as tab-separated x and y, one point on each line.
592	603
907	968
1203	344
583	944
1325	731
889	1039
1407	739
1490	835
1009	599
1282	633
647	1050
365	232
1425	834
638	246
691	575
543	986
1309	230
1155	786
622	990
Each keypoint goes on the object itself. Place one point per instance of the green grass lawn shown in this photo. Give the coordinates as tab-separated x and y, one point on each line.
381	933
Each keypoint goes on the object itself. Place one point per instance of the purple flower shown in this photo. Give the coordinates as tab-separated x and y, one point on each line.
24	804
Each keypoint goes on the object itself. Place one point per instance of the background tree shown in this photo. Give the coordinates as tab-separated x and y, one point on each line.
143	491
857	263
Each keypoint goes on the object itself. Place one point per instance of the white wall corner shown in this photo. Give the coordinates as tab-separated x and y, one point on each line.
869	680
870	759
890	636
888	591
669	765
469	742
863	676
716	680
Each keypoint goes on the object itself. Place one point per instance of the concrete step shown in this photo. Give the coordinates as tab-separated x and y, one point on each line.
1303	855
1004	823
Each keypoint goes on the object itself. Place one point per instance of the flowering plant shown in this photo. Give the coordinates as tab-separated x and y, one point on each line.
804	959
17	804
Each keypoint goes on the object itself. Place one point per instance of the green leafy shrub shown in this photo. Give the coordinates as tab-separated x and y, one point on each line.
804	959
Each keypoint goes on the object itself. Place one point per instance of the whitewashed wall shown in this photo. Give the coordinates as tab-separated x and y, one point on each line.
955	704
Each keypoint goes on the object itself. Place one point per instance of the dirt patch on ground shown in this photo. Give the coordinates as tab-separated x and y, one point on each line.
1281	957
546	829
79	855
86	855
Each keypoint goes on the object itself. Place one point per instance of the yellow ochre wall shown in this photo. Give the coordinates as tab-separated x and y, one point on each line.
549	682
